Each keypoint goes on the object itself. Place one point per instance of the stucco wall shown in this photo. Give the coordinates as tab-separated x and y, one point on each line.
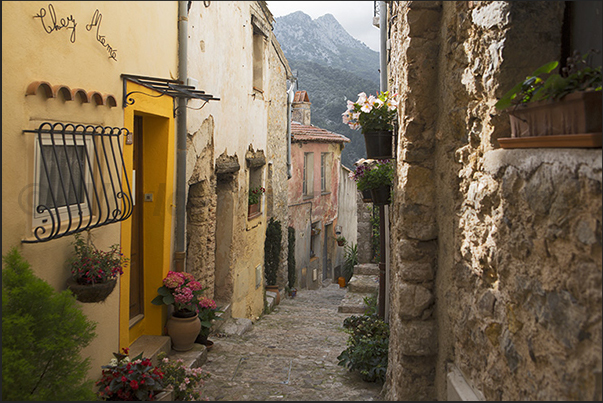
75	58
496	254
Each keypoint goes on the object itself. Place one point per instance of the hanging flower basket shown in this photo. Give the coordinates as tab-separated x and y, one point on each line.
97	292
381	195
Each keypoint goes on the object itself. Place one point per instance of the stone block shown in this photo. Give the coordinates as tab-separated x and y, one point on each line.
366	284
418	338
413	300
367	269
416	271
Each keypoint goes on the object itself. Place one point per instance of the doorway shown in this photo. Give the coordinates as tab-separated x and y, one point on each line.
137	236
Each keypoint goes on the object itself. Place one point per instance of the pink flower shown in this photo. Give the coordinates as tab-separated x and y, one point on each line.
207	303
173	280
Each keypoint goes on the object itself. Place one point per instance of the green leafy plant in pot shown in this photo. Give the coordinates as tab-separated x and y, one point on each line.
378	177
291	273
272	255
556	104
181	291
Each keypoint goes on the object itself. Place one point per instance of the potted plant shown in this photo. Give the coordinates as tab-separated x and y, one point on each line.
368	344
207	314
556	109
272	256
181	291
94	272
341	241
291	273
182	381
378	178
255	195
125	379
361	168
376	116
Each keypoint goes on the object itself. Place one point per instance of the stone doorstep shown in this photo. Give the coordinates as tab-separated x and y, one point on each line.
223	317
353	302
361	283
367	269
151	346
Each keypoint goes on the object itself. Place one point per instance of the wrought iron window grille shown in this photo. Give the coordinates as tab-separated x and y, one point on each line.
79	185
173	88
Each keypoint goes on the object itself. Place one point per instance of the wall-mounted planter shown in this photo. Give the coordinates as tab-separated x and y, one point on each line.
573	121
378	144
381	195
91	292
253	210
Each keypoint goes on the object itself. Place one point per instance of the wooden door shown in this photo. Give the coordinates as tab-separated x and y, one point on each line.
136	254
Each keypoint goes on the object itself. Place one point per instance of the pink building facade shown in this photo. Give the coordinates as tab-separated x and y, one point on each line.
313	197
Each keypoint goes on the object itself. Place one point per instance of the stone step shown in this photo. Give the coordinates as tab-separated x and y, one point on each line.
367	269
150	347
353	302
221	317
363	283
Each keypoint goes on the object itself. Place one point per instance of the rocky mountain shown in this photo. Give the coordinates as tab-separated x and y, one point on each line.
332	66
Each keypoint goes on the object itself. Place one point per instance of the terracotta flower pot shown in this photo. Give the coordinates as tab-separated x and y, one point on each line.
274	288
183	331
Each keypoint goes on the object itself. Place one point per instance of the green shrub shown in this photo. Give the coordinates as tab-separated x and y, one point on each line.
292	275
272	250
43	332
368	344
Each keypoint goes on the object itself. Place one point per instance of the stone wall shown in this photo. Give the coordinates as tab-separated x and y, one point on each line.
276	150
495	254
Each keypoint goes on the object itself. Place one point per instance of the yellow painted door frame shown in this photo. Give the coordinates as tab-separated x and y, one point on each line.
158	149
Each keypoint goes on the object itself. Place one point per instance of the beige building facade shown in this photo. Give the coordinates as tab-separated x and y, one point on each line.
113	67
62	68
233	145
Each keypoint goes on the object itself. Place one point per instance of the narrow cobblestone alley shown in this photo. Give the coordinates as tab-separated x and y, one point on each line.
289	354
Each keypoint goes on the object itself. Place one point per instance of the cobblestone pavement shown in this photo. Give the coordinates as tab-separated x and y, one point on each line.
289	354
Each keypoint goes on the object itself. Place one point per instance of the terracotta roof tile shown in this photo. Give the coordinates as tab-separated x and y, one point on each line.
312	133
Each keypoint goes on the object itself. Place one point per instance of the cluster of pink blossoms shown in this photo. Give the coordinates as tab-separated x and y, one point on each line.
184	288
207	303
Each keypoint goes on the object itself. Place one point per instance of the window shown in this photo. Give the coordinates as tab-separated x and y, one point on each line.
62	183
256	193
258	59
308	182
325	172
78	183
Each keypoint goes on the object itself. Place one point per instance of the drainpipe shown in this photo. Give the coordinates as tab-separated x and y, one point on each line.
382	223
181	133
290	95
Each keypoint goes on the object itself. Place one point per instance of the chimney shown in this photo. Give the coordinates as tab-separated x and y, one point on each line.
300	108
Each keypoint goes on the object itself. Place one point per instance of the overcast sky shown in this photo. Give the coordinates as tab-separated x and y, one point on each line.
356	17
